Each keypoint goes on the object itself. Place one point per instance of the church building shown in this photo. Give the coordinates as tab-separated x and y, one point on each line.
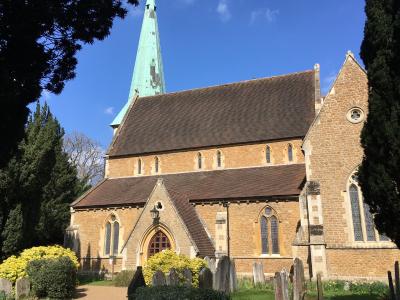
261	170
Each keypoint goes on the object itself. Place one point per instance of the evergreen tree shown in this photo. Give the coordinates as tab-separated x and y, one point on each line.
379	173
37	187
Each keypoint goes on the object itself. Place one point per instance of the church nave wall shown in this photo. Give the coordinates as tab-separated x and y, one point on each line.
240	156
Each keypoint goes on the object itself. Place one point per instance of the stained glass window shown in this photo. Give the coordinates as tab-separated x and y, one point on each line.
268	154
115	237
107	239
274	235
158	243
369	224
355	212
264	235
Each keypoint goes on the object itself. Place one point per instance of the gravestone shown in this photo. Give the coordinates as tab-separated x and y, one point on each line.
172	277
5	286
211	263
320	290
298	280
258	273
232	276
22	288
281	285
137	281
221	281
158	279
188	277
206	279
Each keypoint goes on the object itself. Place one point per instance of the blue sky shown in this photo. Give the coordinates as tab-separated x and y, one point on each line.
210	42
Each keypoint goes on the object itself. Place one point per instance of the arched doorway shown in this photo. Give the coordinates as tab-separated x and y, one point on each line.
158	243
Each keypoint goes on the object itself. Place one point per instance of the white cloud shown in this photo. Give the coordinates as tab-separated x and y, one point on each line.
109	110
270	15
223	10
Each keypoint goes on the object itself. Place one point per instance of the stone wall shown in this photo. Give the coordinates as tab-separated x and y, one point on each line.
252	155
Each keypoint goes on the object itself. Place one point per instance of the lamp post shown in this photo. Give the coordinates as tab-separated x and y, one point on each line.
155	215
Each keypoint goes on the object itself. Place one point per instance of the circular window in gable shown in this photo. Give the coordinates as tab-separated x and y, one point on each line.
355	115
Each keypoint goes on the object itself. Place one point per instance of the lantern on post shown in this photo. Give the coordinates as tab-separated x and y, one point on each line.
155	215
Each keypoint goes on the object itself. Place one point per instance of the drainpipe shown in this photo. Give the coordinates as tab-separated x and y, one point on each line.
228	237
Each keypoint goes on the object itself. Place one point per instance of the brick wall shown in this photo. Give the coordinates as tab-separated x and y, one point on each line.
186	161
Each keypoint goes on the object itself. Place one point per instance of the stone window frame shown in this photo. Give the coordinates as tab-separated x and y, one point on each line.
199	161
379	239
350	112
219	160
157	165
268	217
268	154
139	168
290	153
111	221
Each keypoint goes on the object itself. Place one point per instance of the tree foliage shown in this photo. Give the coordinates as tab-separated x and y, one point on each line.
379	173
37	187
38	45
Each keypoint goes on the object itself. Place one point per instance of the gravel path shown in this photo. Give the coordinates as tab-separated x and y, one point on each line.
91	292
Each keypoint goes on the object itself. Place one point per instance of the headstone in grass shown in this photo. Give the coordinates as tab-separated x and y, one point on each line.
137	281
5	286
188	277
172	277
22	288
258	273
206	279
158	279
221	282
210	263
285	284
319	287
278	286
298	280
232	276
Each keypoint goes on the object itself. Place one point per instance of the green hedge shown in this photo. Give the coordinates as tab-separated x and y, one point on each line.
124	278
176	293
53	278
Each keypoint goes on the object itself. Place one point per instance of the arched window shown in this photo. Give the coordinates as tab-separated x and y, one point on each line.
158	243
219	159
269	232
139	166
199	161
362	219
290	152
111	237
107	246
268	154
156	164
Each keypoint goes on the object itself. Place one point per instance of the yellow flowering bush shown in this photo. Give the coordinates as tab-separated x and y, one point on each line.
168	259
15	267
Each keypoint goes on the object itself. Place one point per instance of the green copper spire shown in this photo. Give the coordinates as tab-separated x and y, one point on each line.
148	75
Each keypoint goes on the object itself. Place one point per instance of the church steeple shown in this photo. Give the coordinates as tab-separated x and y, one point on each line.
148	74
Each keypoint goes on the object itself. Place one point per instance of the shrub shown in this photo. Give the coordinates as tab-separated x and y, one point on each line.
52	277
124	278
168	259
15	267
176	293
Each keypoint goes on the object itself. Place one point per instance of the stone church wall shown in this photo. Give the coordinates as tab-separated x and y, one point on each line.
250	155
245	237
333	152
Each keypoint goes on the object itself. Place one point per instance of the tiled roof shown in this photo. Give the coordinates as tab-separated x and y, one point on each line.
271	181
257	110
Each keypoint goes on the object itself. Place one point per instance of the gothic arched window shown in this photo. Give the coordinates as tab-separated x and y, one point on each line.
199	161
362	219
269	232
219	159
268	154
290	152
156	164
111	237
139	166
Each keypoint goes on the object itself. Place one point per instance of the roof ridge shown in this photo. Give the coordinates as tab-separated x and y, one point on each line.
228	84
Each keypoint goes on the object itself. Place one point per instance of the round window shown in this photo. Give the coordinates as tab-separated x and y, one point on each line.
159	206
355	115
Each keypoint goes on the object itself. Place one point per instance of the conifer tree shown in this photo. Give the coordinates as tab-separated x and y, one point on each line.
37	187
379	173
